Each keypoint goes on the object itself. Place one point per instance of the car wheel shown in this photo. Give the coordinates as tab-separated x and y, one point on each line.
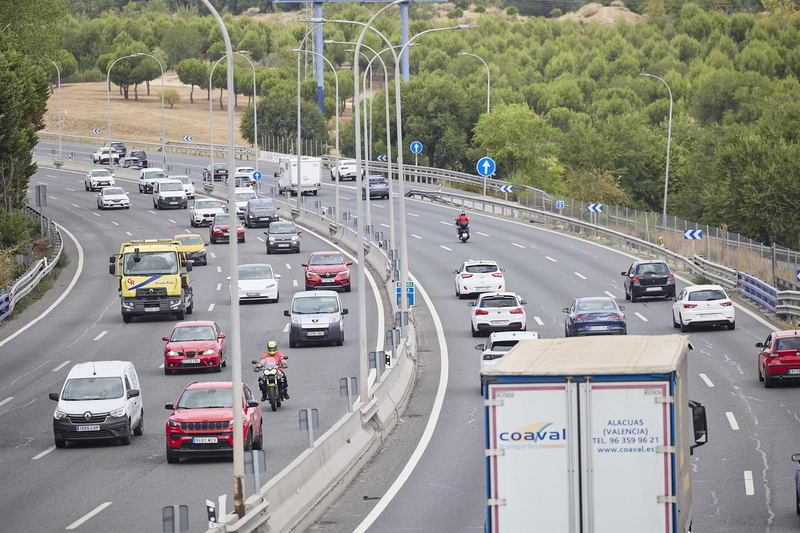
474	333
760	375
347	288
60	443
218	368
139	429
85	186
674	322
732	325
100	207
168	372
768	382
796	501
213	240
627	295
140	189
684	327
172	459
155	205
242	241
258	444
126	440
566	331
633	296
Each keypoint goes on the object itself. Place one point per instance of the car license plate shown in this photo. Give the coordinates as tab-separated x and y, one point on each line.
173	203
653	288
794	370
191	361
205	440
283	246
598	328
253	294
706	316
483	288
87	428
151	309
315	333
499	322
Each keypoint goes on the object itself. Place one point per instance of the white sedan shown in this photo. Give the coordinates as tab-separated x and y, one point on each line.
257	282
98	178
113	197
345	169
204	210
102	156
498	311
188	186
475	277
703	305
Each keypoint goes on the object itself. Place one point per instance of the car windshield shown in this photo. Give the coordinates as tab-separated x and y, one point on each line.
222	219
93	389
261	204
245	170
220	166
255	272
206	398
597	305
282	228
245	196
189	239
113	191
653	268
503	346
155	175
499	301
708	295
206	204
172	186
101	173
314	305
193	333
327	259
480	269
148	263
185	180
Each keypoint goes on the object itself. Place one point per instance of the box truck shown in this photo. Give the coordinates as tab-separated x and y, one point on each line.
591	435
310	169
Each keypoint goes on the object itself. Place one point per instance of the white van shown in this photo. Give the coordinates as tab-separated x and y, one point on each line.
316	316
100	400
311	170
169	193
243	195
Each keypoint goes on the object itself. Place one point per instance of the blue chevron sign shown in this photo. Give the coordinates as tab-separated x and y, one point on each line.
693	234
595	208
383	158
506	188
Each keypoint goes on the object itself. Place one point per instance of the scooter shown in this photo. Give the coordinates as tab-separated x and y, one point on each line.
463	232
272	381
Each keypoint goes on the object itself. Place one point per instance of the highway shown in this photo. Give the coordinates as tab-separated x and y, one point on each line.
743	478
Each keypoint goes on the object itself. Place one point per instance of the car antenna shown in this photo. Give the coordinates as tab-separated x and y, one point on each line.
94	370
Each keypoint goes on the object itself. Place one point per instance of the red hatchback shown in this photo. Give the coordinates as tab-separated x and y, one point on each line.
201	423
327	270
779	357
220	229
198	344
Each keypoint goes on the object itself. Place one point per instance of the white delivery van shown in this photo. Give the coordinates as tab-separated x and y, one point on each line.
310	175
100	400
316	317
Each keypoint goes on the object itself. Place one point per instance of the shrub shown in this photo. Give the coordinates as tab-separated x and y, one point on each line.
555	13
455	13
171	97
7	269
512	10
480	9
16	230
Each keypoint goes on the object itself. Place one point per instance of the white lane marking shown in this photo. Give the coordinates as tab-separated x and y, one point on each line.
52	197
385	225
87	516
288	266
129	233
51	176
71	190
482	234
151	211
343	197
580	275
219	286
640	316
748	483
294	282
187	230
260	239
115	223
171	221
610	295
412	215
2	403
60	298
75	205
708	381
212	255
732	421
41	183
538	320
445	223
210	308
550	259
161	365
376	205
446	248
102	334
286	328
517	245
219	269
96	214
48	450
59	367
416	236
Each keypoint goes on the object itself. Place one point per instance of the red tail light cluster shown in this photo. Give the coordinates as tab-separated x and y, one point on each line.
466	276
615	316
579	318
670	277
689	306
497	274
481	312
517	311
727	303
635	279
492	356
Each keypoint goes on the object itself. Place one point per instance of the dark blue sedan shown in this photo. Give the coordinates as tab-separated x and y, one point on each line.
597	315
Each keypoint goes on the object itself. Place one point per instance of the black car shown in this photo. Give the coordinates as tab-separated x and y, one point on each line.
283	236
141	156
378	188
220	172
131	162
597	315
649	278
120	148
260	212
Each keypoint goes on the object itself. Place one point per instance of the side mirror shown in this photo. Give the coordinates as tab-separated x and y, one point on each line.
266	233
165	339
699	425
276	174
221	336
565	310
99	195
169	406
252	403
455	271
254	361
796	457
349	263
257	368
624	273
228	278
304	265
133	393
188	266
277	276
284	365
674	298
621	307
471	304
759	345
286	357
523	302
277	208
112	259
53	396
480	347
502	270
286	312
344	311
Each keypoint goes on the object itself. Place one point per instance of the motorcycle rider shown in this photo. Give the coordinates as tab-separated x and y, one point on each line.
462	222
280	359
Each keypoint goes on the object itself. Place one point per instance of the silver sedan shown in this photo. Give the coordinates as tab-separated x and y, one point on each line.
113	197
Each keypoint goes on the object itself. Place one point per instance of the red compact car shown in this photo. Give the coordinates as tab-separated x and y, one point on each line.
201	423
779	357
198	344
327	270
220	227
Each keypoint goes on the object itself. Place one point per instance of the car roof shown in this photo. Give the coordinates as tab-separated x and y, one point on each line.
346	161
259	265
595	299
327	252
310	294
194	323
188	235
209	385
509	335
497	293
650	262
695	288
786	333
153	169
471	262
243	189
98	369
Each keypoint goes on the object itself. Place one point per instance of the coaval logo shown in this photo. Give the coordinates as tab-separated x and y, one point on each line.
536	435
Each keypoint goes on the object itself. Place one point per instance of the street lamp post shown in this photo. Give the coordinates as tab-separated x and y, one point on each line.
163	140
299	175
211	119
255	114
58	70
669	138
488	79
108	98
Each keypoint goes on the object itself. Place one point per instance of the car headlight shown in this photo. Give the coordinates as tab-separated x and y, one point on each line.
173	424
334	319
201	252
59	415
172	353
345	272
296	320
118	413
272	239
127	305
294	238
230	423
208	352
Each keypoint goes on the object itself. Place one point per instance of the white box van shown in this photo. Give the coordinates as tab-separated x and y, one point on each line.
316	316
169	193
310	181
100	400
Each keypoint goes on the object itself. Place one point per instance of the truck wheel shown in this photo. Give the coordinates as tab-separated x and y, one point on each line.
179	315
63	444
127	318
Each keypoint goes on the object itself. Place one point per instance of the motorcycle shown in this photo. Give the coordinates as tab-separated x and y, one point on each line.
463	232
272	381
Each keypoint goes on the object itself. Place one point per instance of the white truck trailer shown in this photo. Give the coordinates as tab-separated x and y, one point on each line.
310	175
591	435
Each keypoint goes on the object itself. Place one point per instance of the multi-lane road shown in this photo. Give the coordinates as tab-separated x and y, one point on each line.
742	480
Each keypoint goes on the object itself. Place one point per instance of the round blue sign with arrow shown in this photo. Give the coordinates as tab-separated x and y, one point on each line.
257	175
416	147
486	166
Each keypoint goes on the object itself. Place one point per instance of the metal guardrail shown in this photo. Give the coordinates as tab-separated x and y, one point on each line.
760	292
23	285
789	305
719	274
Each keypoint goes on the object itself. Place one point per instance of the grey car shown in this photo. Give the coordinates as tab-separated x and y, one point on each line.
283	236
378	188
260	212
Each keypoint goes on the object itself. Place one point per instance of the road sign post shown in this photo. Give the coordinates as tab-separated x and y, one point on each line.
416	149
410	292
559	205
486	168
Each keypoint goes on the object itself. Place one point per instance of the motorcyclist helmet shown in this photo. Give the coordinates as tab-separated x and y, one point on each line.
272	347
463	213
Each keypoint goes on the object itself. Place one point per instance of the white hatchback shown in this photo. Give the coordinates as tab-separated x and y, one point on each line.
475	277
499	344
703	305
345	169
188	186
498	311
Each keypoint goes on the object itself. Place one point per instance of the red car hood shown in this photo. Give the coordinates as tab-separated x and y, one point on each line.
203	415
191	346
322	269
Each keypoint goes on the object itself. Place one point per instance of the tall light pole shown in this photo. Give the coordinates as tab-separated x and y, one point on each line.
488	79
336	162
163	140
211	118
108	97
255	114
669	138
299	174
58	70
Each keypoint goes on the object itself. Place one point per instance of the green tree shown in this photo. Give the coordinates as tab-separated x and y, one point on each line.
181	42
192	72
171	97
277	116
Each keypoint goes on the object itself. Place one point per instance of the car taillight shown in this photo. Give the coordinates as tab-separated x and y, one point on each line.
491	356
466	276
727	303
579	318
615	317
497	274
635	279
481	312
689	306
773	354
517	311
670	277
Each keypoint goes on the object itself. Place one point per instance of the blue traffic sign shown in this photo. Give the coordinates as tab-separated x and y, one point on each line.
257	175
410	293
797	275
187	138
416	147
559	204
486	166
95	130
595	208
506	188
383	159
693	234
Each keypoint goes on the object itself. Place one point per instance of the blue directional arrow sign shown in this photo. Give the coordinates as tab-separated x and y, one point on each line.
506	188
383	159
595	208
486	166
257	175
693	234
95	130
797	275
409	292
559	204
416	147
187	138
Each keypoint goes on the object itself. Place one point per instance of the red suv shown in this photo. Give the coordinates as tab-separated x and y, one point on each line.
201	423
779	357
327	270
198	344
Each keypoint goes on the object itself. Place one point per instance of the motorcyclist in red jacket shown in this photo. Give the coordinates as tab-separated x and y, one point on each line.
280	360
462	221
